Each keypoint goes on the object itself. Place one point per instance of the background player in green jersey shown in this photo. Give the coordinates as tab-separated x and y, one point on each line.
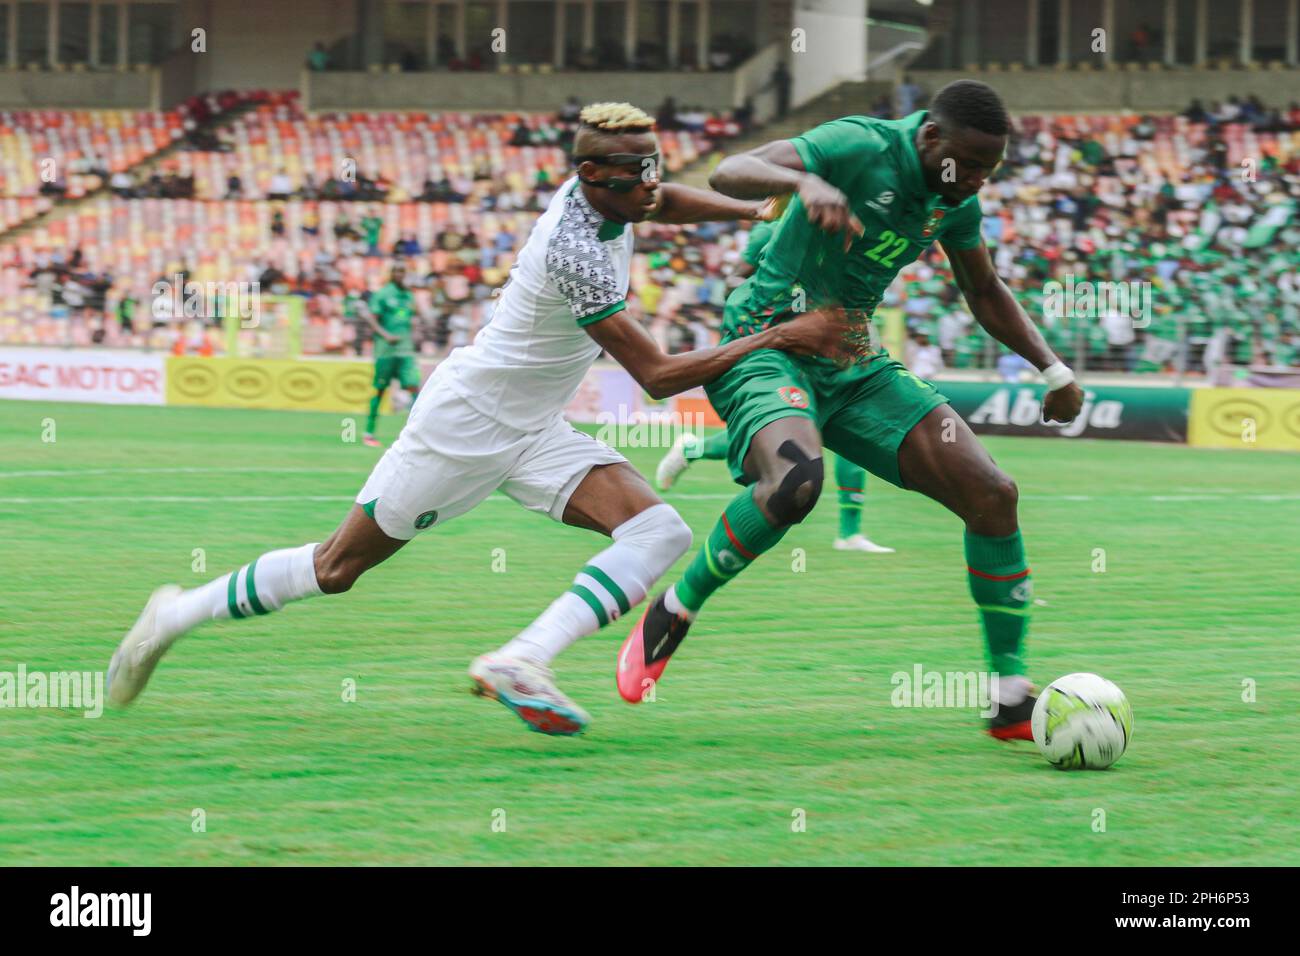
870	196
850	479
389	314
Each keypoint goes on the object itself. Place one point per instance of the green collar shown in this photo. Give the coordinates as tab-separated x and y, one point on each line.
610	230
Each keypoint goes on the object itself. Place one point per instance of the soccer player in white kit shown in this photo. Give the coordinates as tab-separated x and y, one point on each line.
489	419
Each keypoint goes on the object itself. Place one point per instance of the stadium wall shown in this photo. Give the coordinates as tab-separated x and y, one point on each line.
30	89
837	31
508	91
1242	418
1134	413
286	384
264	45
1265	418
97	376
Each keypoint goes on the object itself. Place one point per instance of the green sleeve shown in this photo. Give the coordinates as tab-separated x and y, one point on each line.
837	147
604	313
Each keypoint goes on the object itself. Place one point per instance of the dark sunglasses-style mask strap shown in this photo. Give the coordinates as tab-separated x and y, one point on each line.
618	159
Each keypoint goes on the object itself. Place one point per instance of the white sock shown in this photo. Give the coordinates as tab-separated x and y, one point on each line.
567	619
614	581
266	585
674	604
1009	691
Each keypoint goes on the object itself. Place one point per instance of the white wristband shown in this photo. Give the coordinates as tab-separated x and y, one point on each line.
1057	375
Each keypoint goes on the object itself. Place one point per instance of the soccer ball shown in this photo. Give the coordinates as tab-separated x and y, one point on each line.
1082	722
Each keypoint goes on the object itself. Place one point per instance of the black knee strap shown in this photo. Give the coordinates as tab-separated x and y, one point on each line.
784	504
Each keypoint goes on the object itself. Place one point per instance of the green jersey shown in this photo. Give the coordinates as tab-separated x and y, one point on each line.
393	309
875	164
758	238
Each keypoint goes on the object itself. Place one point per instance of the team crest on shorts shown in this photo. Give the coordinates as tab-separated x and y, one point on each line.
793	396
426	519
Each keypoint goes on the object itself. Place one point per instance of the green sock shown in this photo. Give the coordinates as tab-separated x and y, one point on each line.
852	483
740	536
713	448
374	412
1003	591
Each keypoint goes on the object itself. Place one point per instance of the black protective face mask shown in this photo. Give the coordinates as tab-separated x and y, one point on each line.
619	184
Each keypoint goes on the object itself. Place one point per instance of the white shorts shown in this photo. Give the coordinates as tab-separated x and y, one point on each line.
450	457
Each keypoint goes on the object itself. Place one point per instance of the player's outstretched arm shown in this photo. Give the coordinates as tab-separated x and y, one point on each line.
773	169
776	169
995	308
682	204
661	375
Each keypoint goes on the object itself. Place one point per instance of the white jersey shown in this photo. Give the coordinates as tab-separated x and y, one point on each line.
529	360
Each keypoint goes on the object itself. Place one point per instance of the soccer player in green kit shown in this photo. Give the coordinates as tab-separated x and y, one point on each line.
389	314
850	480
870	196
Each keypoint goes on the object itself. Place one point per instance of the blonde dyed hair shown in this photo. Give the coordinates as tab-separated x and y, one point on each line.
616	118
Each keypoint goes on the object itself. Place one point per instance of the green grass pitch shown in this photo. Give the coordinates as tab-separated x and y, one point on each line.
778	703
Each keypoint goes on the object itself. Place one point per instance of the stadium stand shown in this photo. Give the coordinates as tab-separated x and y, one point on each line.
317	206
1204	212
305	206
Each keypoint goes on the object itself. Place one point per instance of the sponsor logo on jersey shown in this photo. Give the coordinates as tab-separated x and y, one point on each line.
426	519
792	396
881	201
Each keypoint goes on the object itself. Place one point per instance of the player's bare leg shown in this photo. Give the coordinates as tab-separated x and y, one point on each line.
648	537
356	546
942	458
784	462
609	496
265	585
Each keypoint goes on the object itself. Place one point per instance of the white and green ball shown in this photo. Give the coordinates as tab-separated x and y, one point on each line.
1082	722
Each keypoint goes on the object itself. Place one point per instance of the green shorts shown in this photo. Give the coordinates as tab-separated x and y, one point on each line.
863	412
404	368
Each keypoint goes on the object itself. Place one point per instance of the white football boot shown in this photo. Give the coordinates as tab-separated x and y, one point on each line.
675	462
860	542
140	651
528	689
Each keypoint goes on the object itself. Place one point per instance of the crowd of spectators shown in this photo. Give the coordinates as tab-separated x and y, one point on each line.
1197	216
1200	210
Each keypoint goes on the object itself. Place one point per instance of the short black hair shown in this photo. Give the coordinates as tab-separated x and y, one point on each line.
970	104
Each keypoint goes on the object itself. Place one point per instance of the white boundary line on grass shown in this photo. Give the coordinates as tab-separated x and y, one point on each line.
69	473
